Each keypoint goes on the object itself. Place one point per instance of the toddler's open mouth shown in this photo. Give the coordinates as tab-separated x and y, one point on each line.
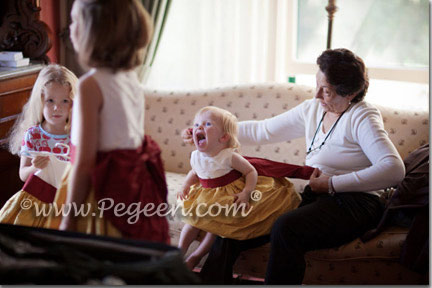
200	137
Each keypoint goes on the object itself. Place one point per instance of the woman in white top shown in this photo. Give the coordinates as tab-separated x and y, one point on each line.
354	159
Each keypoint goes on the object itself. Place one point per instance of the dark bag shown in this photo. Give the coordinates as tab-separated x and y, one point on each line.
31	255
412	194
414	188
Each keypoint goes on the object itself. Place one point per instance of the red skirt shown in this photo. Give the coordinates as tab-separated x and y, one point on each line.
133	177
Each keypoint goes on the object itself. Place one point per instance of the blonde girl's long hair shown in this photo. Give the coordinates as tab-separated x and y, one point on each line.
229	124
32	113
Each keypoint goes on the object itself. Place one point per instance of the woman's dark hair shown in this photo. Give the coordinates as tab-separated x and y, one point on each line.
345	71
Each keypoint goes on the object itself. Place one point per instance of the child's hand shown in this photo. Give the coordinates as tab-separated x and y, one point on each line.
184	194
187	135
242	197
40	162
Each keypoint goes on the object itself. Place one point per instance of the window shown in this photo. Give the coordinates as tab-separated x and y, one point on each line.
392	36
208	43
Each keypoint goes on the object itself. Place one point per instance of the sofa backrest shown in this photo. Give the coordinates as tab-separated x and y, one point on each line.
169	112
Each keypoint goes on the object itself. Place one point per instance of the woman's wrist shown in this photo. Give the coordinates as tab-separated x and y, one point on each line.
331	190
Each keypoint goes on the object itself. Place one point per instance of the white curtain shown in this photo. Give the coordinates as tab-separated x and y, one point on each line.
210	43
159	11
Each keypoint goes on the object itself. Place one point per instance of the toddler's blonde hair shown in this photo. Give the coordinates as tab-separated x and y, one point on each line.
229	123
32	113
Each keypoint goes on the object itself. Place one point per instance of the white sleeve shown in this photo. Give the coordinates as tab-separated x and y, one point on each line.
193	160
283	127
387	166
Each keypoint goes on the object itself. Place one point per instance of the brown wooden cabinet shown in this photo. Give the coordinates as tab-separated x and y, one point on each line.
15	89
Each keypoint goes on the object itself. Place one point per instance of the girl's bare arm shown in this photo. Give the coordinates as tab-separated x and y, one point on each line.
242	165
89	100
29	166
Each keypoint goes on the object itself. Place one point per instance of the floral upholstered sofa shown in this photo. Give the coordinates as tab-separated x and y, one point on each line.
373	262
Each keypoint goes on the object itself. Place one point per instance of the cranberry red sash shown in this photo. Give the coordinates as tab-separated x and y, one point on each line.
220	181
275	169
133	177
264	167
39	189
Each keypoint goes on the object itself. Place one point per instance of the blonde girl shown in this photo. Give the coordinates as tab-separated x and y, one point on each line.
112	158
227	179
44	123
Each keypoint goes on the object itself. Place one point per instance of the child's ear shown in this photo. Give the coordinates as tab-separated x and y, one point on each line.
225	138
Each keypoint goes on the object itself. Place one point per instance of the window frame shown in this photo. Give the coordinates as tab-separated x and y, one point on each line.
294	66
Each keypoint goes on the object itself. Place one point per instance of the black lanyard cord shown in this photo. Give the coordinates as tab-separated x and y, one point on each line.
328	134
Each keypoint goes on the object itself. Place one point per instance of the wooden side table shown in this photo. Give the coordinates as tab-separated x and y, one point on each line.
15	88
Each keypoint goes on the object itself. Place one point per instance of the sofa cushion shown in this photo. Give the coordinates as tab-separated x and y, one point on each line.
386	245
359	272
374	262
175	184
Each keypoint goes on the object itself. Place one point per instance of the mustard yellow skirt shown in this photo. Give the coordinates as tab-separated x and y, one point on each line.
209	208
26	210
90	221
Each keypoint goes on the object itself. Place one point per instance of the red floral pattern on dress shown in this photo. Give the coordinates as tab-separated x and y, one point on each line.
35	135
56	150
45	149
29	145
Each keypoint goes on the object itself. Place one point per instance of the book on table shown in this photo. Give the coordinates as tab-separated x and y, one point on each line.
11	55
15	63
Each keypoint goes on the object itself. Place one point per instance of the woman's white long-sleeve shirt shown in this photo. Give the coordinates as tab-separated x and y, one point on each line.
358	153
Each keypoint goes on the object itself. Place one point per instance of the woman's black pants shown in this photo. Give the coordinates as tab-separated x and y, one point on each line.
321	221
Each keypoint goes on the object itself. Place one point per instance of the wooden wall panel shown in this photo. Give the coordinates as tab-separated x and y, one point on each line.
15	89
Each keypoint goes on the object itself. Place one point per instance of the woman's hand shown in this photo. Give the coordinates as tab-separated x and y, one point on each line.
318	182
40	162
186	134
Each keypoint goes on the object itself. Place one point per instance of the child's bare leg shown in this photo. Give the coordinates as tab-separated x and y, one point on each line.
187	236
201	251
